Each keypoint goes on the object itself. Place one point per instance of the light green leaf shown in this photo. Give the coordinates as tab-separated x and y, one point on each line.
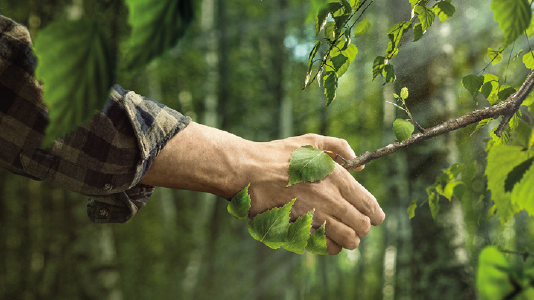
490	86
240	204
523	192
330	31
411	208
395	34
77	68
494	275
495	55
425	15
402	129
414	2
378	66
330	80
502	160
271	227
530	29
404	93
513	16
309	164
528	60
361	28
473	83
433	202
444	10
317	241
157	25
480	125
298	234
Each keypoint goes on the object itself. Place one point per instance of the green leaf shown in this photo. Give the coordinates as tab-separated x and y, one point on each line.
395	34
444	10
308	164
417	32
271	227
414	2
494	275
473	83
517	174
495	55
513	16
411	208
378	66
470	172
523	192
528	60
341	60
330	31
330	86
404	93
505	91
433	200
77	68
298	234
402	129
389	74
425	15
157	25
490	86
317	241
240	204
530	29
480	125
361	28
502	159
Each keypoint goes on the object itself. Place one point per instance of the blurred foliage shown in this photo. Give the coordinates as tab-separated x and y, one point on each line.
257	53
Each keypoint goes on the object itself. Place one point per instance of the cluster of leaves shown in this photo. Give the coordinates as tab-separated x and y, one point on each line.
272	227
497	279
423	18
77	61
446	185
334	45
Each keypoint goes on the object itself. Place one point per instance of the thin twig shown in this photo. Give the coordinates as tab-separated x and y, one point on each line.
506	108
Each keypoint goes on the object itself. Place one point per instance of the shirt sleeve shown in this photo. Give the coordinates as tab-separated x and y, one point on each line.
104	159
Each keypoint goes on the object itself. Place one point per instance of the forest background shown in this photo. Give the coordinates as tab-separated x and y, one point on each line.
241	67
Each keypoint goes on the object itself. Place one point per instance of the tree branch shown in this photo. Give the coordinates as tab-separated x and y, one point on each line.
506	108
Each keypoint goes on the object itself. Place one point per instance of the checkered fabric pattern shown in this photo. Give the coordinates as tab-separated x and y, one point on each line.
104	159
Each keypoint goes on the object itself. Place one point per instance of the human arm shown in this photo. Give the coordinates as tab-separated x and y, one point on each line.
206	159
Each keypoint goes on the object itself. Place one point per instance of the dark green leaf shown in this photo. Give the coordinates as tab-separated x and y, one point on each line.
490	86
157	25
271	227
309	164
378	66
336	62
299	233
240	204
330	86
513	16
473	83
77	68
517	174
317	242
389	74
411	208
470	172
417	32
340	60
444	10
402	129
505	92
425	15
361	28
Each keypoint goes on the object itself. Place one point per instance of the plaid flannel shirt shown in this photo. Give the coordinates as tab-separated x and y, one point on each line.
104	159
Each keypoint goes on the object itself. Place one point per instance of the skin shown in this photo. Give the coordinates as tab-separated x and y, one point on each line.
205	159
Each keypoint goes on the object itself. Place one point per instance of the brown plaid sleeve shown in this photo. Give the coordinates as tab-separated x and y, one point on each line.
104	159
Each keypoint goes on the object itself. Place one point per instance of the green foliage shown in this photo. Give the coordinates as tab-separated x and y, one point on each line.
402	129
341	57
317	241
271	227
239	206
473	84
426	16
495	55
157	25
298	234
490	88
309	164
330	82
361	28
444	10
395	34
496	279
513	16
77	68
528	60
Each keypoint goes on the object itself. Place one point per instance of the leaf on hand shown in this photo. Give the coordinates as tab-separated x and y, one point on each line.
513	16
157	26
77	68
309	164
298	233
494	274
473	84
402	129
271	227
317	241
239	206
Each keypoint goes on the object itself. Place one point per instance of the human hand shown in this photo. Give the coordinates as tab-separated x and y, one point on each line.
345	205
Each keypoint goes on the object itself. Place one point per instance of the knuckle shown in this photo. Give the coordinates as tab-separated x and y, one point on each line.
365	226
